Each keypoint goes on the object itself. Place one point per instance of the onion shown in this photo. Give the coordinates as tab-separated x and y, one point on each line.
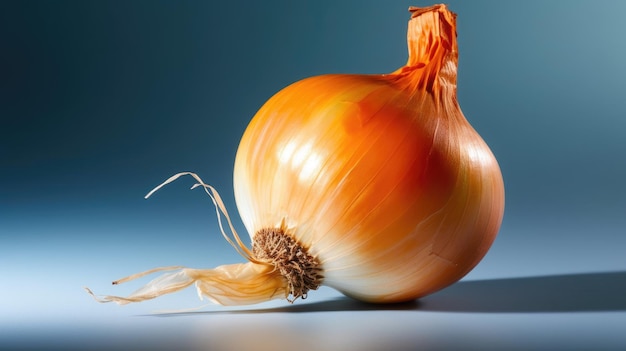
375	185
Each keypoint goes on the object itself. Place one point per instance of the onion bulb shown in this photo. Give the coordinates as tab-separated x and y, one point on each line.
374	185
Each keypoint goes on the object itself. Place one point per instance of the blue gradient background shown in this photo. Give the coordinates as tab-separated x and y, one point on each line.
101	101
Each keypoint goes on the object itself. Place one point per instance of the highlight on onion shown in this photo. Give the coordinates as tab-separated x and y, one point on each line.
374	185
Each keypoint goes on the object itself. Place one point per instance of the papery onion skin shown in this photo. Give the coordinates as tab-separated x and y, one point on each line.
375	185
380	177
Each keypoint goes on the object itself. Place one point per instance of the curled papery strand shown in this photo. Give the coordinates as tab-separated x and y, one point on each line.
220	209
235	284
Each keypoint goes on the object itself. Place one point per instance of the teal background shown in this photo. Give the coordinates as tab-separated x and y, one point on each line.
100	101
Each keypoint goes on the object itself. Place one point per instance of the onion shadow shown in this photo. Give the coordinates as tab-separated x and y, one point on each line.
589	292
339	304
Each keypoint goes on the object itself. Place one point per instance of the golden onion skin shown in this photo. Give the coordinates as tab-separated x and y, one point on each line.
375	185
380	177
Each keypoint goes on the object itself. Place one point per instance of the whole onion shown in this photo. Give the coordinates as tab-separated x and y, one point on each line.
375	185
